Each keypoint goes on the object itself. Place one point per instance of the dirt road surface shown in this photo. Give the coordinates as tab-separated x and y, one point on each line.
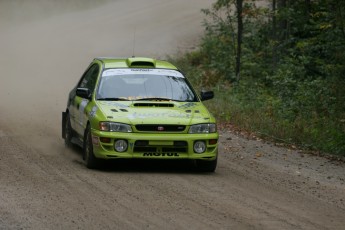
44	185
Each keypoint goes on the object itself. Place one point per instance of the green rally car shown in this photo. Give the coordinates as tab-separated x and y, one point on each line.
139	108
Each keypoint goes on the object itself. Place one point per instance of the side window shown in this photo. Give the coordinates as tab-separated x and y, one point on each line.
90	77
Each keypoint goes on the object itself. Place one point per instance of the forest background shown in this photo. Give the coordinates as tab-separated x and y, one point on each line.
277	71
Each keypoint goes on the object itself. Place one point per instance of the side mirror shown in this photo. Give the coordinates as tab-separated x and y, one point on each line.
206	95
83	93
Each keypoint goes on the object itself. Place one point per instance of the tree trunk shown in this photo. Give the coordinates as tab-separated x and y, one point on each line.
274	33
283	24
274	19
239	5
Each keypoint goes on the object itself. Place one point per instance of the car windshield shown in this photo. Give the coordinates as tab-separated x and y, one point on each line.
144	84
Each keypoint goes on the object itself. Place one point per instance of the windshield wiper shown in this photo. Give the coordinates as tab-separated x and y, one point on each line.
154	99
112	99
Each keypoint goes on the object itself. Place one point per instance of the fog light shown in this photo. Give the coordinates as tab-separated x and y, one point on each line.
121	146
199	147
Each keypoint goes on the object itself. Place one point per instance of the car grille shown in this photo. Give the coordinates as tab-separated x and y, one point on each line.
160	128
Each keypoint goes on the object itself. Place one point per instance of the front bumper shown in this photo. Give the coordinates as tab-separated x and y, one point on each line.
154	145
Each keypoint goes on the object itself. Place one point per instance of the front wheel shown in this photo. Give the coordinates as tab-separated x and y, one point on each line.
205	166
90	160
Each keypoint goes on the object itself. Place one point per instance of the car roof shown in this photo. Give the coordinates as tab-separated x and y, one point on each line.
134	62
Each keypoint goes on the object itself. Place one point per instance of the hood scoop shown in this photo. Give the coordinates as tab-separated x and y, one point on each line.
153	105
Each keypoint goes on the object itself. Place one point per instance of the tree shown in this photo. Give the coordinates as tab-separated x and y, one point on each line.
227	26
239	7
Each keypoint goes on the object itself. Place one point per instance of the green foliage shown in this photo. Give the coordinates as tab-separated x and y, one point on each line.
219	45
292	84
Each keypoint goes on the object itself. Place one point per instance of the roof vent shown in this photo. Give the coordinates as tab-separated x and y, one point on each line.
138	62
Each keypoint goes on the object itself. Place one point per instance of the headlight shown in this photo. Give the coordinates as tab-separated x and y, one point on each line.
114	127
203	128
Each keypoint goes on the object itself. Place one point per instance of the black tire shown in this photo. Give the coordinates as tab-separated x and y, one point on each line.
68	132
205	165
90	160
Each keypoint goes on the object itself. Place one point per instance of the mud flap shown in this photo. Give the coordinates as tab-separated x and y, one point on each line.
63	124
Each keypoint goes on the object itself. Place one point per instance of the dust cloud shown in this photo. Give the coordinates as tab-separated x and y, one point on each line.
46	45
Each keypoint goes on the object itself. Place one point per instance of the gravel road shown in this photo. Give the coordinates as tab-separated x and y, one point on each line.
43	185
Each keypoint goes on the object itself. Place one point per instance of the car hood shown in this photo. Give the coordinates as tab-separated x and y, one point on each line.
150	112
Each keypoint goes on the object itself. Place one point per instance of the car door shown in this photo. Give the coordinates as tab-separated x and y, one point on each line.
78	104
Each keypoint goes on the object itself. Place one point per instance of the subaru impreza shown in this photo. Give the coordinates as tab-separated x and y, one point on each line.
139	108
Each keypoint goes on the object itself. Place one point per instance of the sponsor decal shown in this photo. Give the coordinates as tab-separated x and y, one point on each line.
160	154
113	103
164	72
141	70
187	105
93	111
82	106
136	115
